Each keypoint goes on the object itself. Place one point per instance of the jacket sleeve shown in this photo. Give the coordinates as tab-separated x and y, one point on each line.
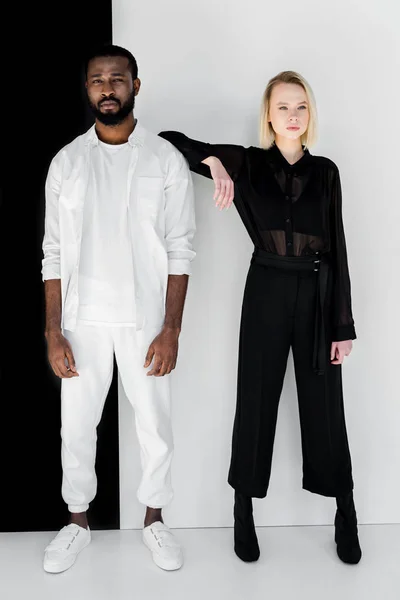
51	239
180	223
231	156
343	325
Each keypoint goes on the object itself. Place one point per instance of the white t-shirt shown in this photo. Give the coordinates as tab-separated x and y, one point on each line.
106	285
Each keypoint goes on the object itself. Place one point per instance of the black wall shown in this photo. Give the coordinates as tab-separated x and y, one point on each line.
43	108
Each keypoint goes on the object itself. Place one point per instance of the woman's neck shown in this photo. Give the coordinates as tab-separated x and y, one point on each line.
292	150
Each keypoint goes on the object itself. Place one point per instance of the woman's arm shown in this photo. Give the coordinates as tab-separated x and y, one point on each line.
220	162
196	153
342	309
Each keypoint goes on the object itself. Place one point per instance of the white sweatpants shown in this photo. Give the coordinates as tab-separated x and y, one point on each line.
82	402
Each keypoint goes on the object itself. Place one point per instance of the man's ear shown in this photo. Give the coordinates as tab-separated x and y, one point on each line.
136	85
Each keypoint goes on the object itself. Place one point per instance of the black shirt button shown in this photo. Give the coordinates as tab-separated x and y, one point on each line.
287	220
287	197
289	243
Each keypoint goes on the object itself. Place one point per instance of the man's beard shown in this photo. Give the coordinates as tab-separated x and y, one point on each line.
113	119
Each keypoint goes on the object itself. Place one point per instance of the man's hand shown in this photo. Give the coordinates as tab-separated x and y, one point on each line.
61	357
163	351
339	350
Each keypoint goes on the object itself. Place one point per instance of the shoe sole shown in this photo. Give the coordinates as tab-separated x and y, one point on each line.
58	569
159	562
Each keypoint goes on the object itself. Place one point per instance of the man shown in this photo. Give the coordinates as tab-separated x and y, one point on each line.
117	250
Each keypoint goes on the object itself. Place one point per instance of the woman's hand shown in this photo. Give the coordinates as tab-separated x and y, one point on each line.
339	350
224	191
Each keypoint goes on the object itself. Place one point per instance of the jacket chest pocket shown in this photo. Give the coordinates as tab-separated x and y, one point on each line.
149	193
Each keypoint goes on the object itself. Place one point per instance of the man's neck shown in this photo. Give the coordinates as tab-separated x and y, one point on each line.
118	134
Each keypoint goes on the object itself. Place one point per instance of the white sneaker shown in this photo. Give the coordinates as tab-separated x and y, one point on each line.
61	553
166	551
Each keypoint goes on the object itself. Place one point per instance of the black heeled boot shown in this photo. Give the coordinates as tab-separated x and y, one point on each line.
346	531
245	537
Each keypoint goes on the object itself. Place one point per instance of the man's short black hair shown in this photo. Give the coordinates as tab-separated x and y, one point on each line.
111	50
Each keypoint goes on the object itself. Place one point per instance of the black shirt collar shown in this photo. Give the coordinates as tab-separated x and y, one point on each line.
278	160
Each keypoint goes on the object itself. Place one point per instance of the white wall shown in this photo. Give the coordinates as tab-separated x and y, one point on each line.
204	66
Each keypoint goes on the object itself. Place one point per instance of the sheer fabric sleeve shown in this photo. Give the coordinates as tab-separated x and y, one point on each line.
231	156
343	323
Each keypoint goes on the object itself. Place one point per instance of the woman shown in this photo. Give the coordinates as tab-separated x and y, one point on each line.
297	295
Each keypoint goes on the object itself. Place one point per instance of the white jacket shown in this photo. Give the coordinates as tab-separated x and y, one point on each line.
161	220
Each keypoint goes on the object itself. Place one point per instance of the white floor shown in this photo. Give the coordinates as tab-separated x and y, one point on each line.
295	563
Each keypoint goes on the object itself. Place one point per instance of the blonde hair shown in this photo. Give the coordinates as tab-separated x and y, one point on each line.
267	134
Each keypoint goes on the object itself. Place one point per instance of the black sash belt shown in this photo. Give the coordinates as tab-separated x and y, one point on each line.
317	263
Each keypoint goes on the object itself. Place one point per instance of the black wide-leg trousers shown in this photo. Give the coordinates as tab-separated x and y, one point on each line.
278	314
